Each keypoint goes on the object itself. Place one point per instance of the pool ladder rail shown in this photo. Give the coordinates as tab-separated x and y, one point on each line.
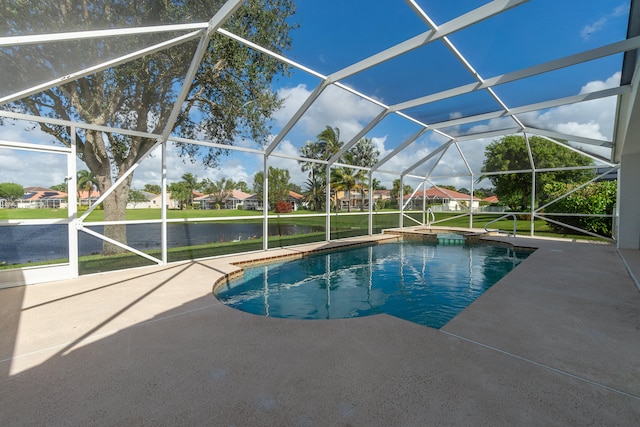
495	230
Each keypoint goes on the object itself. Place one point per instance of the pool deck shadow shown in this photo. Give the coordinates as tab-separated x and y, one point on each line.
555	342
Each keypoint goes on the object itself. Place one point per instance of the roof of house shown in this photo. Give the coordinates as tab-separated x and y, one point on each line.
440	193
491	199
237	194
295	195
82	194
149	196
41	193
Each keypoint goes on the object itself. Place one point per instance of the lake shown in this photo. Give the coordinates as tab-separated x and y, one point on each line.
32	243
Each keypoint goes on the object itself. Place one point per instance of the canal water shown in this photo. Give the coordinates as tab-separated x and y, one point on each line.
32	243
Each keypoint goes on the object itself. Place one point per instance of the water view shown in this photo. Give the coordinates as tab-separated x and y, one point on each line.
33	243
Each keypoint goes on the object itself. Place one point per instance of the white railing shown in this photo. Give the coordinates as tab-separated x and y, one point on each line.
501	218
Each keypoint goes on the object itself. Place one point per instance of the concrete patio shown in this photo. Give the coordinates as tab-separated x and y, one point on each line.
556	342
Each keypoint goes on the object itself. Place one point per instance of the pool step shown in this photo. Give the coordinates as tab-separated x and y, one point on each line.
450	239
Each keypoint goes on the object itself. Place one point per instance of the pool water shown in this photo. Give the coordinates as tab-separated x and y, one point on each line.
424	283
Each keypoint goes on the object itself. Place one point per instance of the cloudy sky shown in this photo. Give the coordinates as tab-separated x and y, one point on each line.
594	23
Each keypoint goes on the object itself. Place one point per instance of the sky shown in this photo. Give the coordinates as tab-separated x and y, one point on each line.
334	34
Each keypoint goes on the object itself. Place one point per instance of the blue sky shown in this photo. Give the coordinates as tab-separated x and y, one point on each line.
334	34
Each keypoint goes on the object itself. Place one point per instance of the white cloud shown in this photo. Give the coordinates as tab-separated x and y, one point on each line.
335	107
591	119
233	167
31	169
599	24
287	148
596	26
378	144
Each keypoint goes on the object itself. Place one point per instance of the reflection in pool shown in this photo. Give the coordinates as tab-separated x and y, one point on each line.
427	284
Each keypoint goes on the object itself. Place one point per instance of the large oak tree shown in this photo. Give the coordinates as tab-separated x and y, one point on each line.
230	97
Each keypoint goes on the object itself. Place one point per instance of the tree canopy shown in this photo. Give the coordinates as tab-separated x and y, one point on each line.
395	191
11	191
279	185
136	196
220	189
327	143
597	198
153	188
229	98
511	154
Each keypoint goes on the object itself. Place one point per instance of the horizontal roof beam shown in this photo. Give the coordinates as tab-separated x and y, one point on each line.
99	67
611	49
531	107
571	138
459	23
97	34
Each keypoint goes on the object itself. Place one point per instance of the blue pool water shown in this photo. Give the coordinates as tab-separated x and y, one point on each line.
427	284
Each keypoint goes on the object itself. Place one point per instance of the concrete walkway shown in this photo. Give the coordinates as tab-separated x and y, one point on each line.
556	342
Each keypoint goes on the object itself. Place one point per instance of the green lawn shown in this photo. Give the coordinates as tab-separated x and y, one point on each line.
339	222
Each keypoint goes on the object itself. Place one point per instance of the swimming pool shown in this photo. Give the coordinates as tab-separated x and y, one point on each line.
424	283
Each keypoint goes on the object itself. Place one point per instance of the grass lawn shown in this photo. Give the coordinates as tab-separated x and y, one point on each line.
339	222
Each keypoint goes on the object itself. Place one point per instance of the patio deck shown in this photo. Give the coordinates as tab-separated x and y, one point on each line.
556	342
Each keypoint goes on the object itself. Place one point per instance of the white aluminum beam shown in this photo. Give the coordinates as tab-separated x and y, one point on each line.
119	181
459	23
435	164
216	22
426	158
120	245
99	67
61	122
399	148
96	34
529	108
417	9
576	150
574	138
608	50
34	147
296	117
279	57
490	134
359	136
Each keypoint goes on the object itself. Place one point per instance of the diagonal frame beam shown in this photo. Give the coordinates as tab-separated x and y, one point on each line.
457	24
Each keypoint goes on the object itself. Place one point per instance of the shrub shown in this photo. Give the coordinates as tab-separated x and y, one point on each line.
283	207
595	198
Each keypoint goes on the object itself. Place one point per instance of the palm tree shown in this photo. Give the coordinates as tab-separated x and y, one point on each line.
329	140
220	189
395	191
314	191
190	183
363	153
87	181
326	145
344	179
